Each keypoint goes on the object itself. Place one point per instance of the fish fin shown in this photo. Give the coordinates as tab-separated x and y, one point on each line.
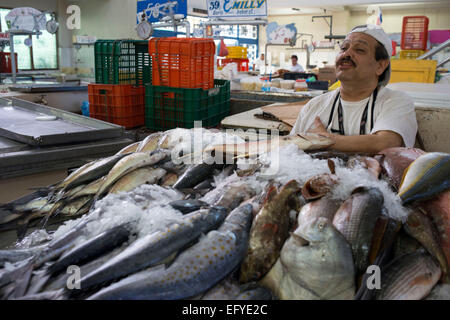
331	166
271	194
22	227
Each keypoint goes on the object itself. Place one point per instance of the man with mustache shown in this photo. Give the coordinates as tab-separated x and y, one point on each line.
362	115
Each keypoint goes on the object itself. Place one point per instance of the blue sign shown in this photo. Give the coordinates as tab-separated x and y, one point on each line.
236	8
156	9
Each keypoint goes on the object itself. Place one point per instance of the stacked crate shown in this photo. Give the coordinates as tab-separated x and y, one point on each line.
122	68
183	89
414	37
236	55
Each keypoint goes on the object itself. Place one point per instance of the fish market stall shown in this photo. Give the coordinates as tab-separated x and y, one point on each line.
279	219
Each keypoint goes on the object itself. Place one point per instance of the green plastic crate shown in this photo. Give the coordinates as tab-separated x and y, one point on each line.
169	107
122	62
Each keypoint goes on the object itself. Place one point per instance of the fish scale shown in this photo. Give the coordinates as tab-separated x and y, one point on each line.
155	247
356	220
195	270
398	279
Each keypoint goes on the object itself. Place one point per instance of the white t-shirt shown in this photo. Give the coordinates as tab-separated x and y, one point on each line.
259	64
394	111
296	68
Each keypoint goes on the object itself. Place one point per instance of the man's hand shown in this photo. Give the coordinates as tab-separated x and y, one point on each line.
370	143
318	127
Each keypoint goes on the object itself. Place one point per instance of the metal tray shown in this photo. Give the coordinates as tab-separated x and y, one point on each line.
48	87
18	122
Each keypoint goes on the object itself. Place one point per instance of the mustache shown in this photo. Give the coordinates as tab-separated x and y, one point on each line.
346	59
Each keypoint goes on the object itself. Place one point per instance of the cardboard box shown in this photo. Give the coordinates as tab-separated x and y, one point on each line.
327	74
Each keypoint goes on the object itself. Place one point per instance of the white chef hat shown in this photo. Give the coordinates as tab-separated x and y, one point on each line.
378	33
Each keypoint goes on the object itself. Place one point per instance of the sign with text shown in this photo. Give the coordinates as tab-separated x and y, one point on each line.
236	8
156	9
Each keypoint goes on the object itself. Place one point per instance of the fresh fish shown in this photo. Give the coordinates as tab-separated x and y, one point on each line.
14	279
206	184
128	164
315	263
188	206
233	196
90	189
269	230
438	209
410	277
130	148
92	248
33	205
369	163
405	244
440	292
60	281
13	256
169	179
356	220
176	168
195	174
150	143
94	171
421	228
394	162
324	207
426	177
153	248
307	141
195	270
227	289
319	185
136	178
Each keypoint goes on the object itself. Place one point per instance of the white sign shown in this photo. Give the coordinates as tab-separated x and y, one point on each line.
236	8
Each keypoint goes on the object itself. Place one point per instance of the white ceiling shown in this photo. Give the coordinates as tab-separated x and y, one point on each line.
331	3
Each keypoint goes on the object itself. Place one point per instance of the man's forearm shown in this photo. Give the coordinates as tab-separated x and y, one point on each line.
370	143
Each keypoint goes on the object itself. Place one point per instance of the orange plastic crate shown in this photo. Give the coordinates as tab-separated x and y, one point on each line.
414	33
119	104
183	62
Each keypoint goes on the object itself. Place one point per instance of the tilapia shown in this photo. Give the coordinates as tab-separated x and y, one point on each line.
426	177
128	164
421	228
410	277
315	263
394	161
269	230
195	270
153	248
136	178
130	148
150	143
356	220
